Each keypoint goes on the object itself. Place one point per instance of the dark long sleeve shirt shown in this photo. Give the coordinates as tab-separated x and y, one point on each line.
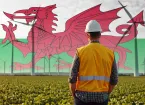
91	96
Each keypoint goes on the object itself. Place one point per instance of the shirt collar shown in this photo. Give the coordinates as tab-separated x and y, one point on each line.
94	41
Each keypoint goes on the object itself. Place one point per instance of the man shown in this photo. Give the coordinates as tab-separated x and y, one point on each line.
94	72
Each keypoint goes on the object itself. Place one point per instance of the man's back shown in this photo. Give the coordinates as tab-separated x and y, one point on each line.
95	56
95	67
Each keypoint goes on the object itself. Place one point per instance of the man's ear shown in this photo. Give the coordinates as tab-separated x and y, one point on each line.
88	35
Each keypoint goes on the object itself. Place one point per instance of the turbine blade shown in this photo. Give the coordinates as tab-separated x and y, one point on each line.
6	44
31	25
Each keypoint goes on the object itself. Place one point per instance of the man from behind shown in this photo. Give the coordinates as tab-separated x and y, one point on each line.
94	73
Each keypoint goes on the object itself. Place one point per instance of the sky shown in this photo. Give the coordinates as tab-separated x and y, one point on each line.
69	8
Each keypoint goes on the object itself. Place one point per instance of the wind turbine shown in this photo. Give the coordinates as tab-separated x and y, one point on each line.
49	63
44	63
136	73
33	45
58	64
12	53
144	66
4	62
66	64
58	60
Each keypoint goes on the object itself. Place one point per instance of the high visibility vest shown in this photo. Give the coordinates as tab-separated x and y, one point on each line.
95	68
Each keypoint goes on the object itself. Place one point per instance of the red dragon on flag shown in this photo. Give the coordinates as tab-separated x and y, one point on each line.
46	42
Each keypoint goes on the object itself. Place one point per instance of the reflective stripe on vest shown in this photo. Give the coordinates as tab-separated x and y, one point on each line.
85	78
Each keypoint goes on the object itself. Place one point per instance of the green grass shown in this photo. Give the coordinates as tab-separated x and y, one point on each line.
53	90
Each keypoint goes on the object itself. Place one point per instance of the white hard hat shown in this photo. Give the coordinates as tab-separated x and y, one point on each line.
93	26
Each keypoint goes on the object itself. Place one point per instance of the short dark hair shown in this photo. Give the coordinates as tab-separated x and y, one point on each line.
95	34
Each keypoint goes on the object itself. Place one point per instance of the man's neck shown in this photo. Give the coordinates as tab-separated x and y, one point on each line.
94	40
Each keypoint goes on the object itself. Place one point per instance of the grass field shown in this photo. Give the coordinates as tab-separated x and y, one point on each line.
53	90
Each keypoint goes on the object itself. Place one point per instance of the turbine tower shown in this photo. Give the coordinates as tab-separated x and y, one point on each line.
12	57
144	66
135	41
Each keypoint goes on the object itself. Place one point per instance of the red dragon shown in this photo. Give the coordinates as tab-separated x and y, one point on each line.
46	42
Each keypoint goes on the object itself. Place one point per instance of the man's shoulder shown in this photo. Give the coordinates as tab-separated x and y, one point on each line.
82	47
107	48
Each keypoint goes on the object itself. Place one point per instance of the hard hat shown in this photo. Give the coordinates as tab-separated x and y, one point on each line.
93	26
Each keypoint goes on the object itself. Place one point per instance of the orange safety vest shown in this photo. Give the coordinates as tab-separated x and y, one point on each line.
95	68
